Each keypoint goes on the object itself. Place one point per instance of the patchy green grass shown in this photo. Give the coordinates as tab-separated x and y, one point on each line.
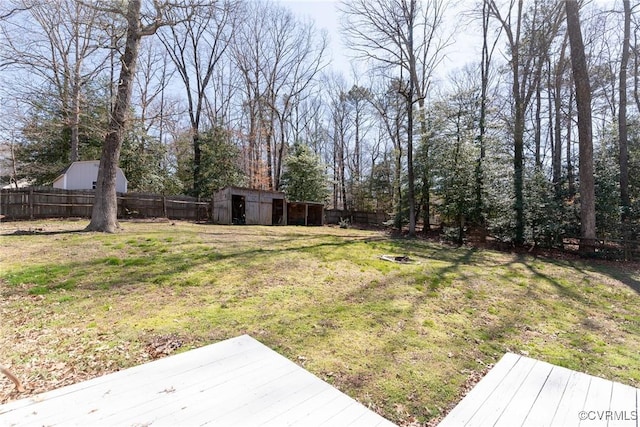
402	338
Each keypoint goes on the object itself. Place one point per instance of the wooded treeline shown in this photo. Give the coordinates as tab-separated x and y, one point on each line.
225	90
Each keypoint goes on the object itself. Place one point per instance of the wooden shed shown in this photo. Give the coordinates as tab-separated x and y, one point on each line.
235	205
83	176
305	213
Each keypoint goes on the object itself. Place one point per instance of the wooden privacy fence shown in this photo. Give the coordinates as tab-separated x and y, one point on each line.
334	216
611	249
46	202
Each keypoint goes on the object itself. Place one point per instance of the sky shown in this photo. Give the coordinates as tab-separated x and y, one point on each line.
326	15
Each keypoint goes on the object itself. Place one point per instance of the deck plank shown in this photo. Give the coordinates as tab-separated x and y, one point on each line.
123	395
597	402
191	402
544	408
624	404
476	398
295	414
234	382
528	392
526	395
572	400
503	395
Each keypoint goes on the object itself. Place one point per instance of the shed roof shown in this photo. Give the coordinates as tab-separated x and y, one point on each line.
65	170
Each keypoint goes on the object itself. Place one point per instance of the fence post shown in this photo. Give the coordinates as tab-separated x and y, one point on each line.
164	206
31	202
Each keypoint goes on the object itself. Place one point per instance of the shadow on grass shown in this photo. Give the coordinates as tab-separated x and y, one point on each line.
147	268
372	305
621	274
37	232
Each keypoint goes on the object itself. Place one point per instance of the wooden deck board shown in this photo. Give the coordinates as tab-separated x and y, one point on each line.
503	394
624	396
572	400
236	382
544	408
476	398
526	395
529	392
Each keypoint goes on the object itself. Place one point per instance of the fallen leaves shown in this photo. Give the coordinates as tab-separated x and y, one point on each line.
49	356
163	345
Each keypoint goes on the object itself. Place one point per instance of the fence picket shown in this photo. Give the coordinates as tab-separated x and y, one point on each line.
47	202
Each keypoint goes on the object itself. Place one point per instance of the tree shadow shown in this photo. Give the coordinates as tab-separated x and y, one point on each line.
42	232
622	274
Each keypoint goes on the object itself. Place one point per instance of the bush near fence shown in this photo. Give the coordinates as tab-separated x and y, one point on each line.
47	202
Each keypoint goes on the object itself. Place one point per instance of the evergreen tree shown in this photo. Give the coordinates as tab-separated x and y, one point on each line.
219	162
304	178
44	147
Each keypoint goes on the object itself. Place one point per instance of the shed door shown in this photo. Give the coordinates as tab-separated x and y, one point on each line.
277	212
238	213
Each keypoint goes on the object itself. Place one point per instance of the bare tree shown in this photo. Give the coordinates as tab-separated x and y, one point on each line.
585	133
62	44
625	202
636	64
151	83
387	102
104	216
279	57
526	52
402	37
357	99
196	47
340	127
557	95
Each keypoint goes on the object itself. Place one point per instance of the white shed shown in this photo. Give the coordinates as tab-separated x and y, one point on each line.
83	176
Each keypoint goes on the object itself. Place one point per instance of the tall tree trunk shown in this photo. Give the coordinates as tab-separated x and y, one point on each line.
518	167
557	104
253	144
398	171
270	154
280	156
411	195
356	147
343	182
571	179
104	216
625	201
426	178
538	124
484	82
636	69
14	164
335	168
197	162
75	121
585	136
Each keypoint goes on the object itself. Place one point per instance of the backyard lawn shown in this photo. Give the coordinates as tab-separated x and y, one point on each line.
407	340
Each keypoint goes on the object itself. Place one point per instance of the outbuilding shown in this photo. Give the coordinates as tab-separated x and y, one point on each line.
236	205
305	213
83	175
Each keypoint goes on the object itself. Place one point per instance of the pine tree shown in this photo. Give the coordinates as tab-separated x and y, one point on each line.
304	178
